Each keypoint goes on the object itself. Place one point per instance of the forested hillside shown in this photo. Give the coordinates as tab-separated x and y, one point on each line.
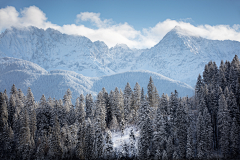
204	126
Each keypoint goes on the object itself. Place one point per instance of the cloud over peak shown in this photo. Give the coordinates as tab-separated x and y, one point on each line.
111	33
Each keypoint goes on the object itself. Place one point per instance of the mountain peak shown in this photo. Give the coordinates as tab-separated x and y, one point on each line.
179	31
124	46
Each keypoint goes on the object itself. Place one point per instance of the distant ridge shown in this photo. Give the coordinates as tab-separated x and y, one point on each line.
26	74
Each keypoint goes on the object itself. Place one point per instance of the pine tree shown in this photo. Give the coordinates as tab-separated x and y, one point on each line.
55	150
137	96
33	124
160	134
150	92
89	106
145	139
30	100
173	104
224	127
108	107
114	126
163	105
3	124
127	102
89	139
208	134
24	144
132	149
80	111
44	116
80	154
181	128
11	110
108	148
98	132
234	138
158	154
190	145
200	137
164	155
169	147
175	155
198	87
206	75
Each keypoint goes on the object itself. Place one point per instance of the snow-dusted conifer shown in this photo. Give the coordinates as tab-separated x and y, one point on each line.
89	106
224	126
89	141
80	154
190	145
55	150
132	149
108	148
170	147
150	92
98	130
145	139
234	138
181	128
24	143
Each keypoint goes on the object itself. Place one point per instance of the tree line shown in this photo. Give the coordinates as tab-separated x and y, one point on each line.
205	126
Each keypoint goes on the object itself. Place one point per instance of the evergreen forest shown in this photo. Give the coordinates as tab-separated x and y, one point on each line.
166	127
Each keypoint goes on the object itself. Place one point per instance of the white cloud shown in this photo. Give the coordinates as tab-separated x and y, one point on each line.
111	33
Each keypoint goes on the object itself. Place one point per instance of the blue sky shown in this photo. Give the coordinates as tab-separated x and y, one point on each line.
137	23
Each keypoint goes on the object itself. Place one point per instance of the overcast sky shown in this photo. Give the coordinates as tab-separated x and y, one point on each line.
137	23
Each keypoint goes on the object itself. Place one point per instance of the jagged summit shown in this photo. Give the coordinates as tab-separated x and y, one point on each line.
180	55
182	32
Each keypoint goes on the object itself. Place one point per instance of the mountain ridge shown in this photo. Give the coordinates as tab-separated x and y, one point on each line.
180	55
55	83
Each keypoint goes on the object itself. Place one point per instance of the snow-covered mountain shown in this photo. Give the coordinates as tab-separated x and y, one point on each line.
55	83
180	55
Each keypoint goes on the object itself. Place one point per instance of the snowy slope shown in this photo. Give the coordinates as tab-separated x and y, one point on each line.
53	50
180	55
26	74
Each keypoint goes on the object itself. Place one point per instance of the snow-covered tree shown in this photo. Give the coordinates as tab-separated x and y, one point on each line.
132	148
234	138
108	148
224	122
145	139
89	106
89	140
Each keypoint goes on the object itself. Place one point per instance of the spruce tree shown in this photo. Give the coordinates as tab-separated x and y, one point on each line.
24	147
170	147
89	106
80	111
150	92
224	127
99	140
3	124
145	139
181	128
234	138
55	150
80	147
132	148
108	148
127	102
89	141
190	145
